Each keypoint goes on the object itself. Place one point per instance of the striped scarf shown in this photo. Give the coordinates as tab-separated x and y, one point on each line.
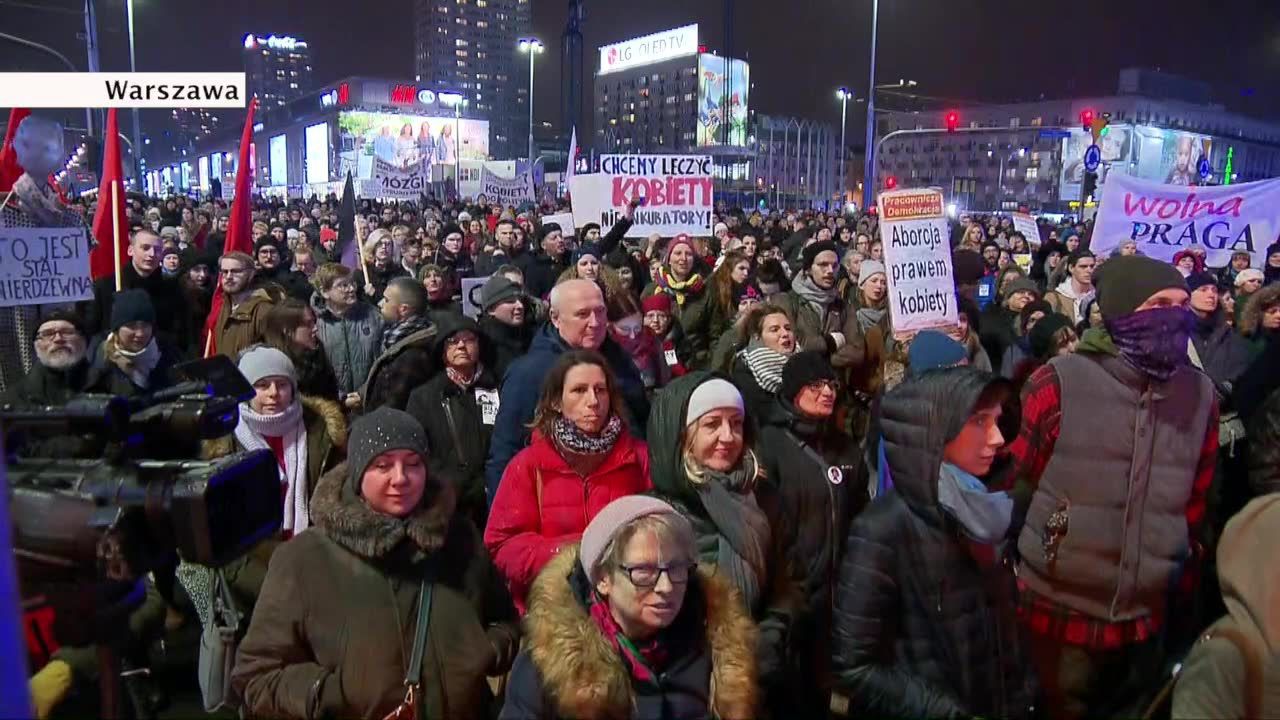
765	364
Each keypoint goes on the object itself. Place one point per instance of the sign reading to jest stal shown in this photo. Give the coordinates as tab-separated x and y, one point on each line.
657	47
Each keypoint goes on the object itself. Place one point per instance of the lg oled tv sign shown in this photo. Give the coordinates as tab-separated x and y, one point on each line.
657	47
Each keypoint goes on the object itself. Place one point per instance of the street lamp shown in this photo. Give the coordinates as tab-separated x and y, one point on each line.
869	170
531	47
133	68
843	94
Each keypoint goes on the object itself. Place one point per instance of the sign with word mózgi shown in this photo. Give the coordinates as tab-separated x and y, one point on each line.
507	191
677	192
917	260
390	181
44	265
1026	225
1165	219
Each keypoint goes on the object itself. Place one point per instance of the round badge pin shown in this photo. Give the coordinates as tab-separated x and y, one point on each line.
835	475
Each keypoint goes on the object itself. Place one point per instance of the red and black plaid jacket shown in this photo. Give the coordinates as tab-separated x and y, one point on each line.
1041	418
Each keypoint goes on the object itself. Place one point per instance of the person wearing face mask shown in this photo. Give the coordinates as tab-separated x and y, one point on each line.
925	622
626	327
767	339
703	462
1128	431
627	625
131	360
678	277
582	457
386	567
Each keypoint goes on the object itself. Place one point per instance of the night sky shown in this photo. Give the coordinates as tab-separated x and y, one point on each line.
990	50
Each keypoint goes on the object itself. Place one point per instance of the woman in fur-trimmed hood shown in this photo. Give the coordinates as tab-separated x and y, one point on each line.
627	625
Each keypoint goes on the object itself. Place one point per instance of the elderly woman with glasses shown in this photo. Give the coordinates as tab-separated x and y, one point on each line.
626	625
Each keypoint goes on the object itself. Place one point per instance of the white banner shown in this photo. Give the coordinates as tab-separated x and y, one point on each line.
510	191
677	192
1026	225
389	181
917	260
1164	219
564	220
125	90
44	265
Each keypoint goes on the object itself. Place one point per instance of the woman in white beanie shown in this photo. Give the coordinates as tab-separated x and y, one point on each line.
702	461
627	625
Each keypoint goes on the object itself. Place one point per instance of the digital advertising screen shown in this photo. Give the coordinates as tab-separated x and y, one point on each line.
316	152
406	140
1150	153
278	160
723	85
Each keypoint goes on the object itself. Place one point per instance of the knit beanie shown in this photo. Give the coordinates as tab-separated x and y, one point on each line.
588	228
1041	336
451	229
718	227
1031	308
801	370
1197	280
67	316
1126	282
810	253
497	290
547	229
1022	284
266	241
132	306
261	361
712	394
681	239
932	350
869	268
660	302
1248	274
381	431
586	249
746	291
614	517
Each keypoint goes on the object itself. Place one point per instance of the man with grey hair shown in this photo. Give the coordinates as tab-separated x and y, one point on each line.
61	372
577	322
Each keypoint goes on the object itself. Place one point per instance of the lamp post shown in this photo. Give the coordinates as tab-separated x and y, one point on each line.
531	47
868	172
133	68
844	95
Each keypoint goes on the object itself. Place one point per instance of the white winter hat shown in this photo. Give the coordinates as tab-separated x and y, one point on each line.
712	394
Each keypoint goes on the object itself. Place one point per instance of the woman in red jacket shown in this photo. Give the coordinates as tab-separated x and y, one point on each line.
582	458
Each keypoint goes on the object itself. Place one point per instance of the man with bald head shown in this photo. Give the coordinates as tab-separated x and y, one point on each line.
577	321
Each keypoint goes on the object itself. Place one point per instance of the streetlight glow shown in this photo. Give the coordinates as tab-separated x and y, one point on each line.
842	93
531	47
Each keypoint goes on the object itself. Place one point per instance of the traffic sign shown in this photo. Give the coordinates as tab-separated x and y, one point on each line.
1054	134
1204	168
1092	158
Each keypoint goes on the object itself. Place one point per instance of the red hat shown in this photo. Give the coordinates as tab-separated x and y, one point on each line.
681	239
658	301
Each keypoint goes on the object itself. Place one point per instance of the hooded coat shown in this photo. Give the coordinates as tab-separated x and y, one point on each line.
333	628
925	620
781	599
1215	675
569	670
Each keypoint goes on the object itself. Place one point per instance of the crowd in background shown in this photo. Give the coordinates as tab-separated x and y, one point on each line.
703	476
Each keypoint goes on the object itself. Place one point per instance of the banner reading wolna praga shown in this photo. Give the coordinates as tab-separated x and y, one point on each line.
1165	219
917	260
677	190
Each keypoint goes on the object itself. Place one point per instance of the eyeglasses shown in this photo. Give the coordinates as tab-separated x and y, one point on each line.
646	576
58	333
832	385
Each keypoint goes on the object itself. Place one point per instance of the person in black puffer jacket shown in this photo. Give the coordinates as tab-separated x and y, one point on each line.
925	620
821	483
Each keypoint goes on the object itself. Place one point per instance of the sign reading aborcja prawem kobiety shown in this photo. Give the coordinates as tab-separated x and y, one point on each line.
44	265
677	191
917	260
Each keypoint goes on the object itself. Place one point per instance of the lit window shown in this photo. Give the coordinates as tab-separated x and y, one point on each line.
462	63
1037	121
482	23
460	43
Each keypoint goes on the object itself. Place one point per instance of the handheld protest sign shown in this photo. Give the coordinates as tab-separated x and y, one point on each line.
917	260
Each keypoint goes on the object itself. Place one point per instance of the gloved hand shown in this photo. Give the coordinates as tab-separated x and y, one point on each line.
49	687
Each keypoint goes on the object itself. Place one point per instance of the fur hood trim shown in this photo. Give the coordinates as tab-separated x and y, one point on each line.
351	523
335	425
585	678
1251	317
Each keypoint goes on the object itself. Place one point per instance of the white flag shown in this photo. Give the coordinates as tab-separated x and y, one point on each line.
573	157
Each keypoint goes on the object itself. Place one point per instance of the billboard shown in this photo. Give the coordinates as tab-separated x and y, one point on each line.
316	151
406	141
202	166
659	46
722	100
1142	151
278	161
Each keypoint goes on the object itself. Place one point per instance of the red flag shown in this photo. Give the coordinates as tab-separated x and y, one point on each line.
10	170
102	261
240	226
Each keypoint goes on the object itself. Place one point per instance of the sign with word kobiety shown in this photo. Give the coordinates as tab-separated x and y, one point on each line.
917	260
44	265
677	192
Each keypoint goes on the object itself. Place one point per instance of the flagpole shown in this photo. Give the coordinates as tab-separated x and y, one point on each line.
364	265
115	230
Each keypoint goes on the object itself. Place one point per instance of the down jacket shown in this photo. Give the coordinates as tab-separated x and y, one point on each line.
924	621
352	341
542	504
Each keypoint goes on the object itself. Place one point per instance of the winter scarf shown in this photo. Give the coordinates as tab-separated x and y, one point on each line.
1154	341
869	317
252	432
765	364
983	515
643	660
137	365
393	334
569	437
681	291
816	297
645	350
743	530
463	381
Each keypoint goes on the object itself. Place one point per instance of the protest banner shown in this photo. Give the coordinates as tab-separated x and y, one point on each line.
471	296
391	182
1026	225
677	190
508	191
564	220
917	260
1165	219
44	265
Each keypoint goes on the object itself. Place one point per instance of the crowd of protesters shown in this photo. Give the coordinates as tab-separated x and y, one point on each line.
684	477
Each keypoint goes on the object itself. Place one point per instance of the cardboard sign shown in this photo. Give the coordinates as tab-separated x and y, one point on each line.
44	265
564	220
507	191
471	296
1026	225
677	190
917	260
399	183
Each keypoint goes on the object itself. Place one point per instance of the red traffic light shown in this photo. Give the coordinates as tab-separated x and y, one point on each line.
953	120
890	182
1086	119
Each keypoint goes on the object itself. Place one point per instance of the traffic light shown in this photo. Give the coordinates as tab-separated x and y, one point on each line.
1098	127
1090	186
953	120
890	182
1086	119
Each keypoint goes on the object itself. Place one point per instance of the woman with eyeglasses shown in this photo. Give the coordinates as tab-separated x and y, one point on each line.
626	625
821	483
